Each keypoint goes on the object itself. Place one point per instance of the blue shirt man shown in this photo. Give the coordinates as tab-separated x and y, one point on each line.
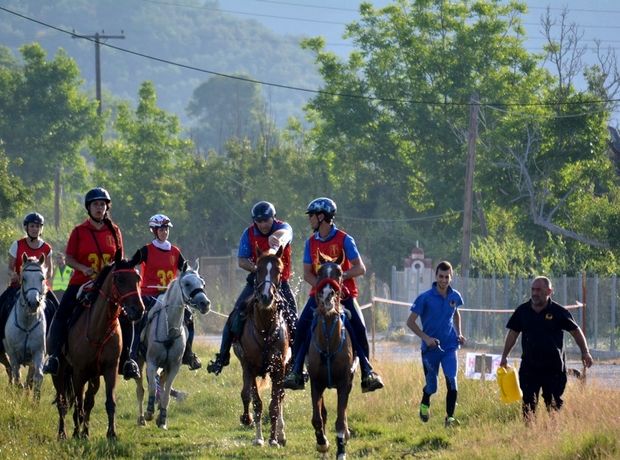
441	337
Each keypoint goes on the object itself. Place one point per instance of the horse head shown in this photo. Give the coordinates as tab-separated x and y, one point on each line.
329	283
126	287
269	267
33	286
193	289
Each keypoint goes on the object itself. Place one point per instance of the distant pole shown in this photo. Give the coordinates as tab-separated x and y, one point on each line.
97	38
469	184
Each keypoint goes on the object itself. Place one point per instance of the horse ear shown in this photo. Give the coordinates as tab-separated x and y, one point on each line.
197	262
24	258
322	259
41	260
340	258
280	251
118	256
259	253
185	266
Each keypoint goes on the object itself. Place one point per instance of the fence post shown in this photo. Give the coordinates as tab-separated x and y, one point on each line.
612	332
372	312
595	311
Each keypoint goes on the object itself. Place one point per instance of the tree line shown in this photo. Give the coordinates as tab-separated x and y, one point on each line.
386	138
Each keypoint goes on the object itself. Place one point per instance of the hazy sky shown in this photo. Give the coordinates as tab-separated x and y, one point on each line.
597	19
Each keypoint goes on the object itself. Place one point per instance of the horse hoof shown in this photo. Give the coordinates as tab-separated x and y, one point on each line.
274	443
282	442
246	419
342	457
141	421
62	436
259	442
148	416
323	448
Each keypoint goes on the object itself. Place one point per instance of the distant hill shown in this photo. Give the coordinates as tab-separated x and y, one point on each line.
189	32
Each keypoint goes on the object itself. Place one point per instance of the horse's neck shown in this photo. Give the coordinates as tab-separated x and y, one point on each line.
328	329
173	304
265	319
24	316
103	311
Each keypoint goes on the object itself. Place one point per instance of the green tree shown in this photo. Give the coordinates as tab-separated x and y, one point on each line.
144	167
14	198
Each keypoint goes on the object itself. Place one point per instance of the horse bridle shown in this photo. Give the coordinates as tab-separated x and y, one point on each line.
189	299
40	292
116	297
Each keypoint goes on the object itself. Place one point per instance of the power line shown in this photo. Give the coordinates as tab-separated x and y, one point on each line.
400	100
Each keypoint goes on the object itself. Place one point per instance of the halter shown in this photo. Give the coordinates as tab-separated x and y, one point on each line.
38	291
188	300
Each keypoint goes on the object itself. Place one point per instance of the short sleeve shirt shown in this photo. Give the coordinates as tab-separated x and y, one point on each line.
542	334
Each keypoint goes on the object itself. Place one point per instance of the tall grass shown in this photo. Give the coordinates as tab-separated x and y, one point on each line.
384	424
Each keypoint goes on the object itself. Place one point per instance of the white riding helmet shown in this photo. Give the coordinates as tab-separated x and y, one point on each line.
159	220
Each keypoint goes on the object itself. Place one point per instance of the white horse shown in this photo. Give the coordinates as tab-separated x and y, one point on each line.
24	336
165	335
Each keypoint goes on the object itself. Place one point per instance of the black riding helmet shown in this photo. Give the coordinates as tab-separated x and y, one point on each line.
263	210
323	205
34	217
97	193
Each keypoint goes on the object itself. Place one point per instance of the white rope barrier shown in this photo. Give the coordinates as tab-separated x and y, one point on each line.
577	304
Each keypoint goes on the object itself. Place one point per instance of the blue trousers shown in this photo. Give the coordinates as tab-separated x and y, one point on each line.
432	358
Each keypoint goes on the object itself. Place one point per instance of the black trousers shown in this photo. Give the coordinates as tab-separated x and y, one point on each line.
533	380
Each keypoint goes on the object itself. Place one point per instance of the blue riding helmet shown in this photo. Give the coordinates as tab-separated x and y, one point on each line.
323	205
34	217
97	193
263	210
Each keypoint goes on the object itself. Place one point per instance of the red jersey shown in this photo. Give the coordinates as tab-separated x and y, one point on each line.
92	247
160	268
332	248
23	248
260	241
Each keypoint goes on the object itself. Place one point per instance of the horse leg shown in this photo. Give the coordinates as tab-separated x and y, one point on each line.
319	414
342	429
37	377
257	405
109	377
140	394
277	436
164	399
4	360
89	403
151	372
78	409
246	418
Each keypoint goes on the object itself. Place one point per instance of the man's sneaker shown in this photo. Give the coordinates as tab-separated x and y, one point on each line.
371	382
51	366
131	370
451	422
293	381
192	361
425	412
217	365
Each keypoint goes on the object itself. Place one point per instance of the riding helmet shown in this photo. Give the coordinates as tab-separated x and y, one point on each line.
97	193
323	205
34	217
263	210
159	220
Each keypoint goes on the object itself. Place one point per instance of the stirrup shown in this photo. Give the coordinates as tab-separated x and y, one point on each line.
294	381
371	382
131	370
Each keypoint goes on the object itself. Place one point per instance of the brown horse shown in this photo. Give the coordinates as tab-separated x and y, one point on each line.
94	347
330	358
263	349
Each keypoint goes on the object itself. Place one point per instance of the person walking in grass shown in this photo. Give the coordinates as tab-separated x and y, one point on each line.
441	337
542	322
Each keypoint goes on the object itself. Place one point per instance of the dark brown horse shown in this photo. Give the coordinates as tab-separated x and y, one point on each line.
263	349
330	357
94	347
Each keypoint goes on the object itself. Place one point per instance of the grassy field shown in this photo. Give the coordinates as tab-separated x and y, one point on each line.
384	424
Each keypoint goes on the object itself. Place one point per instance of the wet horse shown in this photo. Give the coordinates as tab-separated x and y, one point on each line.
330	359
24	339
263	349
94	347
165	336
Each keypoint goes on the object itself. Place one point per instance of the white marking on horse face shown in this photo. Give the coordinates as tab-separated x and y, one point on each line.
33	284
326	297
266	292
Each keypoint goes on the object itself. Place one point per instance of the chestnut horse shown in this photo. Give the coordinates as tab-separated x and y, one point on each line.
263	349
330	359
94	347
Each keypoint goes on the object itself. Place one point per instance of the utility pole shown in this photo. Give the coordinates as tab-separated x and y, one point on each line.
469	183
97	39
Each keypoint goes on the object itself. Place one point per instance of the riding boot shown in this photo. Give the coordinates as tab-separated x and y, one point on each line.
222	359
55	341
130	369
